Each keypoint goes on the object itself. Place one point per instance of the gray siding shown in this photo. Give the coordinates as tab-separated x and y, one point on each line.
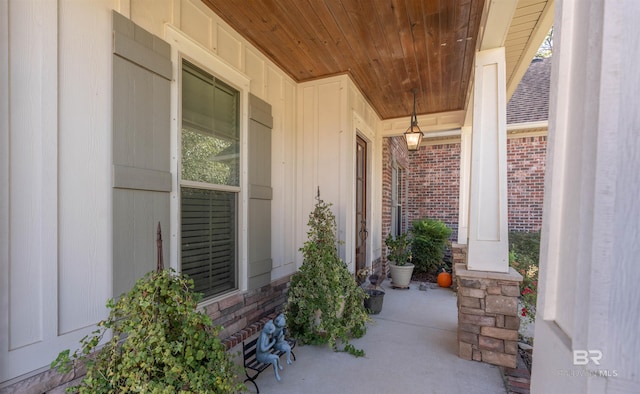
141	159
260	193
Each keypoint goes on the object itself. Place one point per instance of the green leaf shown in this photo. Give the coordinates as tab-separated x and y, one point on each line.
322	286
152	324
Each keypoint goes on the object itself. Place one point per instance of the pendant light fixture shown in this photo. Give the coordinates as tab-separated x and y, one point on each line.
413	135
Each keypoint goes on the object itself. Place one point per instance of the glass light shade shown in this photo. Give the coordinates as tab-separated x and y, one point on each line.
413	137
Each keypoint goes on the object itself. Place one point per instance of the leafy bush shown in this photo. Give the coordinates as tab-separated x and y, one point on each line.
399	249
524	253
159	344
429	242
324	302
526	244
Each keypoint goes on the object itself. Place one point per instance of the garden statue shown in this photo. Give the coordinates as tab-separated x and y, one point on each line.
281	342
266	341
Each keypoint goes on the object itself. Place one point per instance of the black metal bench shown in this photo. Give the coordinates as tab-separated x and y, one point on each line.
251	363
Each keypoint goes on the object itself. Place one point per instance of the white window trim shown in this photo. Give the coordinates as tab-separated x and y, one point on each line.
183	46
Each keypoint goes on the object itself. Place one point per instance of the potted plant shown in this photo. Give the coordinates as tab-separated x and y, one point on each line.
399	255
375	297
325	304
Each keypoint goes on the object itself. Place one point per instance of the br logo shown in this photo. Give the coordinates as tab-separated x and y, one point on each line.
582	357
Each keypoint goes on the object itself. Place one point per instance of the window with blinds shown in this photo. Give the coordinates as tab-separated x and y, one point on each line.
209	239
209	181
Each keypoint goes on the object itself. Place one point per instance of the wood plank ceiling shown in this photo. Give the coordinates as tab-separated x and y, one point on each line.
388	47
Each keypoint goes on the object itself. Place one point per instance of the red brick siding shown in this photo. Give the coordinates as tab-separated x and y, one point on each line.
526	160
393	147
434	182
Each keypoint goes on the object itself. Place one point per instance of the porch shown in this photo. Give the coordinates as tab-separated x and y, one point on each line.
410	348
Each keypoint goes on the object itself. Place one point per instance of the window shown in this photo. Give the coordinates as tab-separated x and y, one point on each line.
209	181
397	193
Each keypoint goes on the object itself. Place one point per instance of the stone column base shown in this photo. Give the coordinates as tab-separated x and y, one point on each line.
459	254
488	320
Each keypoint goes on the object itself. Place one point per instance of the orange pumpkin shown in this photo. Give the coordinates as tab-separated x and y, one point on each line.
444	279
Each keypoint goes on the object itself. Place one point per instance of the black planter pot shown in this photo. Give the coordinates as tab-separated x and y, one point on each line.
373	304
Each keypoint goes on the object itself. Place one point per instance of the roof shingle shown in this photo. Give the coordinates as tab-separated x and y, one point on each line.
530	101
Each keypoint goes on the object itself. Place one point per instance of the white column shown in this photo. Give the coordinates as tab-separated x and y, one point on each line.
465	174
587	313
488	232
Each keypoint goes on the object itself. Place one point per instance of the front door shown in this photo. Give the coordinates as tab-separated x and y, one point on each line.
361	204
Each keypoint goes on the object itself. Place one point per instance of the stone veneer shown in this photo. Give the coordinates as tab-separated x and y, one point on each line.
488	320
459	256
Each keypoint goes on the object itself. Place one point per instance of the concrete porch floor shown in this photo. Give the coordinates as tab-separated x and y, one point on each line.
410	348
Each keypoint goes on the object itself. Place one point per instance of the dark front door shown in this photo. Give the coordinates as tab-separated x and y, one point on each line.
361	204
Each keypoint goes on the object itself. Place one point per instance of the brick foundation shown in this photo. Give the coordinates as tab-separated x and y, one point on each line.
244	315
488	320
236	312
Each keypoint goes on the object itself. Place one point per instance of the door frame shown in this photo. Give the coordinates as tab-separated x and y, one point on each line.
362	193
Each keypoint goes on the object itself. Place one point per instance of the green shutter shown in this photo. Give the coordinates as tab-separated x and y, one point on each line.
260	193
141	157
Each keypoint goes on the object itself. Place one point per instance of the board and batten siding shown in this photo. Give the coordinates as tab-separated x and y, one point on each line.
57	164
293	146
331	112
55	199
208	32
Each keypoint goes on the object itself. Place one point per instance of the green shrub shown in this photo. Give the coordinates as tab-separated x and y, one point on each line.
429	242
324	301
525	244
524	253
159	344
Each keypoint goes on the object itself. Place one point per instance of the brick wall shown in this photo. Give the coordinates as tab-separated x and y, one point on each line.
237	312
433	178
526	159
434	184
393	148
